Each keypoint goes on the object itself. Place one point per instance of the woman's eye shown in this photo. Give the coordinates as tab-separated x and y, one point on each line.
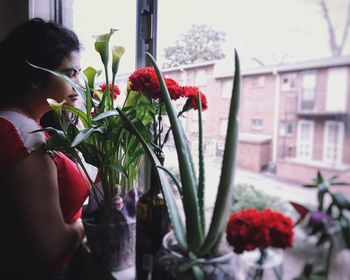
72	73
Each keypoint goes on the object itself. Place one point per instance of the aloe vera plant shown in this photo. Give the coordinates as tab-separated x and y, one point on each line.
191	234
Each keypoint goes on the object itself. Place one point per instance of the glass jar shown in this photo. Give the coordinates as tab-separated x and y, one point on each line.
250	265
171	264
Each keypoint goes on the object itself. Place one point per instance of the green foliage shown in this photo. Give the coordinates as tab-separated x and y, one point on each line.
247	196
103	142
201	43
192	237
329	222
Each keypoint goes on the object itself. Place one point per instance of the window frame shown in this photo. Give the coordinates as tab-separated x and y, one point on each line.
338	145
299	142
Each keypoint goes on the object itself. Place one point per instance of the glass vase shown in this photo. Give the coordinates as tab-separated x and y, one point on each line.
264	264
112	245
170	264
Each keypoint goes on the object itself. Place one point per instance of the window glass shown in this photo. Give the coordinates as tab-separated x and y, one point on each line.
308	92
333	142
288	82
305	139
268	53
96	17
226	90
257	124
201	77
337	82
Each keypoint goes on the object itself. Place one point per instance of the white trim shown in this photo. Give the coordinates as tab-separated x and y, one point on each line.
339	145
276	113
337	89
24	127
311	140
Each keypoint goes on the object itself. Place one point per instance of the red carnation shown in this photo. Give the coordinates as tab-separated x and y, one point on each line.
145	81
191	94
116	90
249	229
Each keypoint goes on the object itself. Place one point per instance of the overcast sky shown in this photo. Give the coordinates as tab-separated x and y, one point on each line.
268	29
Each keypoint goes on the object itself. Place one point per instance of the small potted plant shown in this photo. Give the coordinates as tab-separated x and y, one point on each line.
102	142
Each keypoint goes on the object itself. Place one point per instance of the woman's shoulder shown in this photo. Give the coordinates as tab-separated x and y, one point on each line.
17	138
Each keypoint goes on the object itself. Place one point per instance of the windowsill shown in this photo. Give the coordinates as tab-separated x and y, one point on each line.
316	163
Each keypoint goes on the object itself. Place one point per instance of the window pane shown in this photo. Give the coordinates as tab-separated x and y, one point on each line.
96	17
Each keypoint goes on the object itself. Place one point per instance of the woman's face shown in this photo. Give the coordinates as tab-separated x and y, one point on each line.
60	90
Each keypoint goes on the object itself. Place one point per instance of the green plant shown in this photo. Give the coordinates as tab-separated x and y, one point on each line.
102	141
328	222
248	196
191	235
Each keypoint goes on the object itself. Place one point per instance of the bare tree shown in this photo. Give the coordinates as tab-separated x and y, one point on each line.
336	46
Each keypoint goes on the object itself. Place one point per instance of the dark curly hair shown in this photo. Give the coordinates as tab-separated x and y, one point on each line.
41	43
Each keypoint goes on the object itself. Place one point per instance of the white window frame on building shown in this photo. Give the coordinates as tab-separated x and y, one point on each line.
256	124
259	81
337	88
183	77
286	128
305	146
201	77
308	92
226	89
288	81
333	150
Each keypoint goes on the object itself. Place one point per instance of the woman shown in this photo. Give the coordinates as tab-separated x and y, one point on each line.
41	194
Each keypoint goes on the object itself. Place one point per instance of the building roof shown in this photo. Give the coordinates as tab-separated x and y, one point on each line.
297	66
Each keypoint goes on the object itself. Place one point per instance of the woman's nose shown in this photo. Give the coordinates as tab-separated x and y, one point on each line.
79	81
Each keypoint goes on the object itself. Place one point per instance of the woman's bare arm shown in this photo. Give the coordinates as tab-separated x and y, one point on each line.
33	188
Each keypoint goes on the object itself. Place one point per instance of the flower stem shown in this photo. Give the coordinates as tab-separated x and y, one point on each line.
259	272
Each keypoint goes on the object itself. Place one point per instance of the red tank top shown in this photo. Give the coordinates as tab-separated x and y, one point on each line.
17	141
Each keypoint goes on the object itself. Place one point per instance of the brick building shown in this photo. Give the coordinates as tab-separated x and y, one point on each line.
294	119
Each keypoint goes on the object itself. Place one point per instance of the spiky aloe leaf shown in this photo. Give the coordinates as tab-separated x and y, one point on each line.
195	234
173	211
224	194
201	179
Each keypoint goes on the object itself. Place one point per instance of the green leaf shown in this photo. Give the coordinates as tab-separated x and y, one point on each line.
90	74
178	186
189	188
224	194
76	87
76	111
173	211
105	115
201	180
117	168
91	154
85	133
341	201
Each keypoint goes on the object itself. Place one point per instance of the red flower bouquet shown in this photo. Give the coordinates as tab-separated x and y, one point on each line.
144	81
250	229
